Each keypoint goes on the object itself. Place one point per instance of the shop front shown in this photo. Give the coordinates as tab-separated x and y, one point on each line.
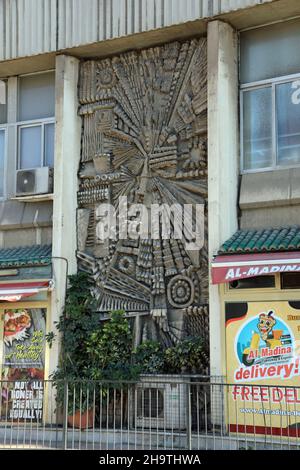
25	291
260	292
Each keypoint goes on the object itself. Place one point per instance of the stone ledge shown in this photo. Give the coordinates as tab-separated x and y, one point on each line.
270	189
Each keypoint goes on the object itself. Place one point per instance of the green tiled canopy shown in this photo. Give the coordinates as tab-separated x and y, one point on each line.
25	256
263	241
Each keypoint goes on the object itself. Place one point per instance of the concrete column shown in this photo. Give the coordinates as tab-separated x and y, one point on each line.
66	163
223	151
12	118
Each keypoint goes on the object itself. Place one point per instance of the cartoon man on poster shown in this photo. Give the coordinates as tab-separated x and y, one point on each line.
265	344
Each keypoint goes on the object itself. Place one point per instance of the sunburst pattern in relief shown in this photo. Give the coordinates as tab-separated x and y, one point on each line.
144	137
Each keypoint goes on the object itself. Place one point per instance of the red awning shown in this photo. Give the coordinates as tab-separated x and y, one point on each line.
227	268
16	291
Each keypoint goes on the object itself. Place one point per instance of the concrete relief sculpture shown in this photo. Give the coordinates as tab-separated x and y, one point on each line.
144	141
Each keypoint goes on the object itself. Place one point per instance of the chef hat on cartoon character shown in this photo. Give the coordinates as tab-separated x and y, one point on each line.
269	315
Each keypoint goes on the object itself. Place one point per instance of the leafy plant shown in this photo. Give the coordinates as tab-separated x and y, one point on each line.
189	355
149	357
50	338
112	343
76	325
110	350
90	350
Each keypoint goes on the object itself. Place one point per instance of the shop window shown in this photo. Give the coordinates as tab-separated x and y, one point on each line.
259	282
270	97
290	280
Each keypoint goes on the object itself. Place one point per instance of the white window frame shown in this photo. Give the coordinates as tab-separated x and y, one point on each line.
3	127
255	86
34	123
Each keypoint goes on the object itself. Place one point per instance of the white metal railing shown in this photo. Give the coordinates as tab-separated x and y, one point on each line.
155	413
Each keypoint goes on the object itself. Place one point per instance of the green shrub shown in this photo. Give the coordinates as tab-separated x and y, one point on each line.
189	356
149	357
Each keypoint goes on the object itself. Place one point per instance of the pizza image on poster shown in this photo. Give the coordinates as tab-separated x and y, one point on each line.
263	367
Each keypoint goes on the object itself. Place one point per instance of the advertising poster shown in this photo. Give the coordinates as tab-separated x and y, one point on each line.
263	366
23	364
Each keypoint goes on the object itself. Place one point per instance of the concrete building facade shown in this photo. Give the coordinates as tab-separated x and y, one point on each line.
44	46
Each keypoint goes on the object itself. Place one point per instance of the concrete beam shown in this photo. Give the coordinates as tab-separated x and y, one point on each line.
222	164
240	18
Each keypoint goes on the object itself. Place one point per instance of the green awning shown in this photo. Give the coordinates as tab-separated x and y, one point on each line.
37	255
263	241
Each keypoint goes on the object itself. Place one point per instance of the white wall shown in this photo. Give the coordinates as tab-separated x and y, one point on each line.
222	164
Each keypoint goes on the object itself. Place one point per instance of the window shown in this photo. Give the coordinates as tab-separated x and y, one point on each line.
36	101
27	125
257	128
36	97
36	145
270	97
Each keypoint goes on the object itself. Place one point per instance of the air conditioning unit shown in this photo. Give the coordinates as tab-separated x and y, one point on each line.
35	181
161	403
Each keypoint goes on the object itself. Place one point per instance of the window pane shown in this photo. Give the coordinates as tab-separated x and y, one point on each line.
49	145
3	114
257	128
36	96
269	52
288	122
290	281
3	101
2	156
30	147
253	283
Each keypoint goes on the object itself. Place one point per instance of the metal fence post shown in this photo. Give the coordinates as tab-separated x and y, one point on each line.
65	417
188	418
